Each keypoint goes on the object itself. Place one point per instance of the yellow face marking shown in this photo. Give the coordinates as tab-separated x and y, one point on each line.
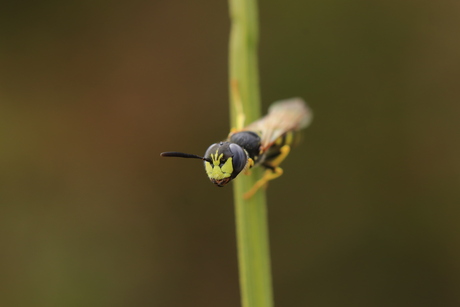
216	159
216	172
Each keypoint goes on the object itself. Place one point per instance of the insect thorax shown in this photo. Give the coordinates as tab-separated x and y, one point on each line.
250	142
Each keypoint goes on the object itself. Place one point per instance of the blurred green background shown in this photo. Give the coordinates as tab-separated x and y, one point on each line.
367	213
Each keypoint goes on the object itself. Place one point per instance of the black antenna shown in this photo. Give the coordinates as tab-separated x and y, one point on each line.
183	155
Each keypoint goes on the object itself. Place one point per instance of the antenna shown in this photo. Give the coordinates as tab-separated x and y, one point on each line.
183	155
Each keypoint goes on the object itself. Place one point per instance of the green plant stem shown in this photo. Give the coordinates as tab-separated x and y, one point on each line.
251	214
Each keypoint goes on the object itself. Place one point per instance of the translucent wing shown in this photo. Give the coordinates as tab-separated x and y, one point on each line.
283	116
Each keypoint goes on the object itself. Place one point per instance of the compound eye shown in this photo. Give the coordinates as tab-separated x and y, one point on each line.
239	159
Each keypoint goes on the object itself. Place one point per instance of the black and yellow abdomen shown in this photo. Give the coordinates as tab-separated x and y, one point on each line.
290	138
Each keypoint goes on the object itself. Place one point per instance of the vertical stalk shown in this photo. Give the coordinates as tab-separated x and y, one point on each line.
251	214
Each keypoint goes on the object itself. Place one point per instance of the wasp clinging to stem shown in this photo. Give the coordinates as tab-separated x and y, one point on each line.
266	142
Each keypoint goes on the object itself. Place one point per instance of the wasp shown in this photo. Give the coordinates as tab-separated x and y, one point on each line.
265	142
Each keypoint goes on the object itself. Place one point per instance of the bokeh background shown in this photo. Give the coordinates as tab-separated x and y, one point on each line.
367	213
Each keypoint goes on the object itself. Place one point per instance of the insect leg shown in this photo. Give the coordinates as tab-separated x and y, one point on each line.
269	175
273	172
249	165
284	152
